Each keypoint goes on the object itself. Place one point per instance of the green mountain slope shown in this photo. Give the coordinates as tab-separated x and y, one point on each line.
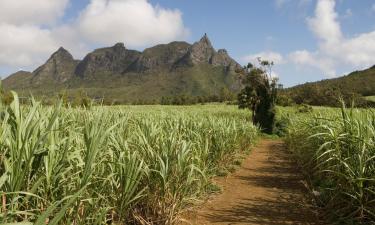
355	86
122	75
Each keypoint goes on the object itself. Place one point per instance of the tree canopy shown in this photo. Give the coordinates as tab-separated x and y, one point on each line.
259	94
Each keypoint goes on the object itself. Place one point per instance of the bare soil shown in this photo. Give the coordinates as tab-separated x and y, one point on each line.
268	189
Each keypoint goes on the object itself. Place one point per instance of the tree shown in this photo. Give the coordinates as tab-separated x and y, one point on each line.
225	95
63	97
81	99
259	94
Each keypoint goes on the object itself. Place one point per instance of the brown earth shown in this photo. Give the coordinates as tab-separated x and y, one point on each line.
268	189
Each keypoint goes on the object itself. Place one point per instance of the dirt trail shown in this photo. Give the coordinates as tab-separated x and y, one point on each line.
267	190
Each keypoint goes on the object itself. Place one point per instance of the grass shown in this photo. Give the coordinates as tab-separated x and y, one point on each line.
113	165
145	164
370	98
336	149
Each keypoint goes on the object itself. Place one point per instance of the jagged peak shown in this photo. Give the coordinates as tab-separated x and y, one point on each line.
61	52
222	51
205	40
205	37
203	44
119	45
62	49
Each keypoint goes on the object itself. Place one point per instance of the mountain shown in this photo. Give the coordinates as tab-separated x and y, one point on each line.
59	68
117	73
113	60
355	86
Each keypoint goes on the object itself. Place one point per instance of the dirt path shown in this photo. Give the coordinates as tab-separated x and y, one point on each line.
267	190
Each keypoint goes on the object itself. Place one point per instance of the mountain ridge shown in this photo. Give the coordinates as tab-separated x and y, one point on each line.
169	69
354	86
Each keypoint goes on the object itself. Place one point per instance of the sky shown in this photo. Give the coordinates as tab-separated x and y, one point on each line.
308	40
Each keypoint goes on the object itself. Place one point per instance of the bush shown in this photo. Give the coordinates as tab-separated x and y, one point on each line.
304	108
281	125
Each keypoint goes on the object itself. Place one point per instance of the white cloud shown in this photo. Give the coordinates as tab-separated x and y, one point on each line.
324	24
31	30
24	45
22	12
135	22
26	38
335	49
68	37
275	57
275	74
315	60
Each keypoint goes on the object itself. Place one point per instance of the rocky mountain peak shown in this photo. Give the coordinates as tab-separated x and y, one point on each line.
202	51
118	66
58	68
222	58
222	51
205	41
161	56
62	49
62	53
112	60
119	47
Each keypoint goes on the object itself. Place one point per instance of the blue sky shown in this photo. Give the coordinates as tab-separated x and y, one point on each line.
308	39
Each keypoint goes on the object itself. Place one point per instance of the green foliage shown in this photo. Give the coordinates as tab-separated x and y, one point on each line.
303	108
6	98
113	165
281	125
370	98
259	95
350	88
284	100
224	96
140	89
336	150
81	100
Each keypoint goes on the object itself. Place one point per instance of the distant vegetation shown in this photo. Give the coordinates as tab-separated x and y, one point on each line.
81	98
370	98
351	88
5	96
117	75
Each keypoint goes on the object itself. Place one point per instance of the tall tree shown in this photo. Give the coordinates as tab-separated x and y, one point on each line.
259	94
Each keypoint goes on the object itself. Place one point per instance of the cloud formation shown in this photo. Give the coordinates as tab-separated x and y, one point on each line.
24	45
136	22
35	12
275	57
334	49
33	29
